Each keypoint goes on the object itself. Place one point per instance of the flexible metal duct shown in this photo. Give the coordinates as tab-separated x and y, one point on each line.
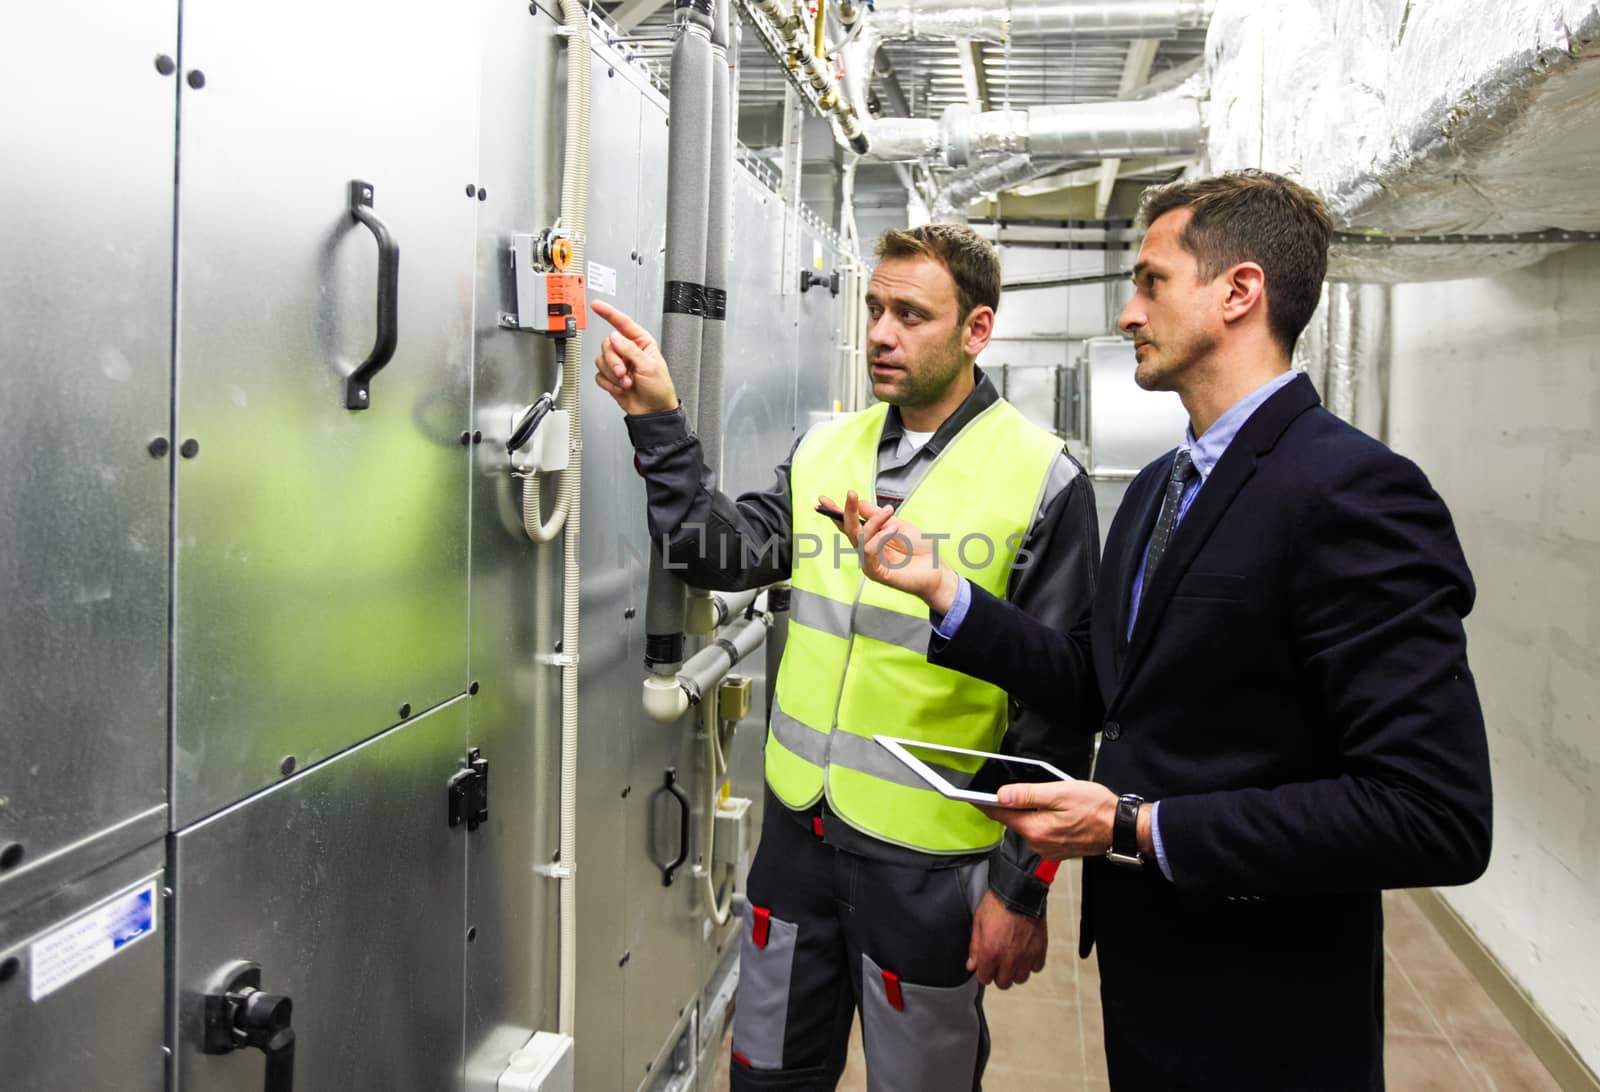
991	178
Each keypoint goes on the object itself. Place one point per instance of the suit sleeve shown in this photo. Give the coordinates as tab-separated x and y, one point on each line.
1052	585
1376	603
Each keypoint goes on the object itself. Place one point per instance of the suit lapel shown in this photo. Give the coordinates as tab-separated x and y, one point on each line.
1258	436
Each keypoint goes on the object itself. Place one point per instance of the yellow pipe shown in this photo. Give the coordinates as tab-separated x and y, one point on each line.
822	14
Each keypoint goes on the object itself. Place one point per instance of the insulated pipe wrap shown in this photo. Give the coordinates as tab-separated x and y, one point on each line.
707	668
684	302
1170	125
719	231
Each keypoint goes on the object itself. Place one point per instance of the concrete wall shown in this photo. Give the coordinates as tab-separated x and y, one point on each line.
1496	394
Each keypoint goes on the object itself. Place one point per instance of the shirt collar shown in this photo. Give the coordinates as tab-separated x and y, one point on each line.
1207	450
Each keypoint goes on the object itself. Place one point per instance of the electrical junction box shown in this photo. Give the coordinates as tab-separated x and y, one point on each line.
546	450
546	297
732	831
545	1064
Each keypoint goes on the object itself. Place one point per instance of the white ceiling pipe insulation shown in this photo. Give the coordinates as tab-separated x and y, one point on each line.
899	139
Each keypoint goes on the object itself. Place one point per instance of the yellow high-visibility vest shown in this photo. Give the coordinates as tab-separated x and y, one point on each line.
856	660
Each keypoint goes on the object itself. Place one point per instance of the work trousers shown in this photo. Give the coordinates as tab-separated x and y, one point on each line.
828	931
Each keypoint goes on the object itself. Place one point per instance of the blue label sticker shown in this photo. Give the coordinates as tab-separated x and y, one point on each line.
91	938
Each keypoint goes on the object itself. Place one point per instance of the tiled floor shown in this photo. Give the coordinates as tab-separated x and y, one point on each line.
1444	1033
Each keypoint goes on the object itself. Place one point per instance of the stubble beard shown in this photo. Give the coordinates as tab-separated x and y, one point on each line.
924	385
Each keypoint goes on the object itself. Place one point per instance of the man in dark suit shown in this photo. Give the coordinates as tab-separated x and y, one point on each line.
1276	663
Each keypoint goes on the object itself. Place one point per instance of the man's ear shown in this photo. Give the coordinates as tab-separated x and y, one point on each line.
1245	291
977	330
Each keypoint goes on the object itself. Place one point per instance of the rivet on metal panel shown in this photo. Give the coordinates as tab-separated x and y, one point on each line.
11	856
623	962
165	64
629	613
466	438
472	191
286	765
159	447
9	968
610	71
190	448
472	934
473	689
477	437
533	9
633	254
558	646
405	710
197	78
483	194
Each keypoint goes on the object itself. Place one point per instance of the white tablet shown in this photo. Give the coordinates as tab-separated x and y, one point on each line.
960	774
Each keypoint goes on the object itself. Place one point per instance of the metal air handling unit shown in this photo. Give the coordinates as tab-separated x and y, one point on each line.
282	760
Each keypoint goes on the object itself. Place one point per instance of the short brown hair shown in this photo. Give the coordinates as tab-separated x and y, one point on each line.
972	262
1254	216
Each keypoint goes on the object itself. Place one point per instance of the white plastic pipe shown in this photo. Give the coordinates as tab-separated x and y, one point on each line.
575	216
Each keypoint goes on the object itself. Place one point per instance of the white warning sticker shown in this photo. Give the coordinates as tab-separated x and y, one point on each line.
91	938
602	278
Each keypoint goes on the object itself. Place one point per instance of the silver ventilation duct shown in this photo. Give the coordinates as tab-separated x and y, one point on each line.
912	138
1166	125
1118	19
1477	117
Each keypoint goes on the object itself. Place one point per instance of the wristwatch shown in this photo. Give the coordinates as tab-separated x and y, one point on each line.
1125	833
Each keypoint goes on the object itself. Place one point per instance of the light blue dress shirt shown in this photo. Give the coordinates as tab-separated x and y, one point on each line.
1206	451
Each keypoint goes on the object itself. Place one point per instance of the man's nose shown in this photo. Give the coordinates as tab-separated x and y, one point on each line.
880	332
1132	318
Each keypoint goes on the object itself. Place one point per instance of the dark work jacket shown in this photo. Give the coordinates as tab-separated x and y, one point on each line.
720	542
1296	694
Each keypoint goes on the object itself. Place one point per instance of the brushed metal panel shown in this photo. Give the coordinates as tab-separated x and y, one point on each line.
1128	426
818	374
322	552
613	554
514	718
663	924
85	385
346	885
102	1030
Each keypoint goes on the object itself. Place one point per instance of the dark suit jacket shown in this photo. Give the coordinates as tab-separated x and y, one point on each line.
1296	694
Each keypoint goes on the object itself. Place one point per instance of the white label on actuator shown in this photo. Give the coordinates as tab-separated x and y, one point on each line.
91	938
602	278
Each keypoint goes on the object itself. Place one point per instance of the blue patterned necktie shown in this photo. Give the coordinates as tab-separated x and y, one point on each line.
1183	472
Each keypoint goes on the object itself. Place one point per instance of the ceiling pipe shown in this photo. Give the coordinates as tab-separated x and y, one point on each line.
1163	126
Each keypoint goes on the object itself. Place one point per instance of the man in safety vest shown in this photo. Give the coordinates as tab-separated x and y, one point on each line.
870	890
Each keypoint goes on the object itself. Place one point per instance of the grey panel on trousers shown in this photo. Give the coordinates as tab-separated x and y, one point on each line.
322	552
85	384
515	612
345	884
102	1029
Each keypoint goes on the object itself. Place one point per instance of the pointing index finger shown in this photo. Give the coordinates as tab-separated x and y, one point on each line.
621	321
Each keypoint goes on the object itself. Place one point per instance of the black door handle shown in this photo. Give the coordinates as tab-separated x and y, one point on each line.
669	784
357	389
237	1015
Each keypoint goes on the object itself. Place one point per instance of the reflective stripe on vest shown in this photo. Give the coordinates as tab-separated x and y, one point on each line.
856	663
